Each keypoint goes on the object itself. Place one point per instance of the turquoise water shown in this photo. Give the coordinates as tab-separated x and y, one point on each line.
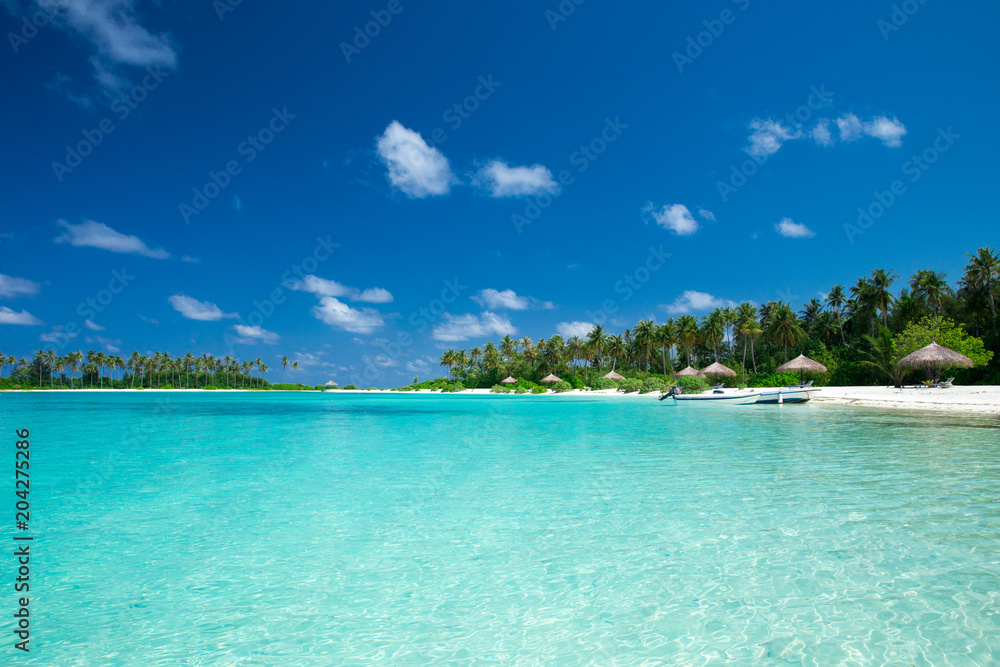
289	529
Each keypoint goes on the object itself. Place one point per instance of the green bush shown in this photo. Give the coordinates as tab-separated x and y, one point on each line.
652	384
351	386
774	380
210	387
630	385
539	390
521	390
166	386
603	383
575	382
561	387
500	389
692	385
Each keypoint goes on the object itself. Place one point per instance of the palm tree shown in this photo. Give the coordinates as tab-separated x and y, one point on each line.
982	270
666	340
284	363
746	315
864	302
643	334
882	356
50	359
713	330
295	367
930	286
447	359
596	339
784	328
508	347
614	347
881	282
687	334
836	300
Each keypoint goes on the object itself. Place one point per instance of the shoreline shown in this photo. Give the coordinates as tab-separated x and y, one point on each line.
980	400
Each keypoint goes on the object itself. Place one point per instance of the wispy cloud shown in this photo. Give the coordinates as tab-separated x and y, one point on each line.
202	311
414	167
692	301
793	230
338	314
23	318
248	335
889	132
674	217
768	136
323	287
98	235
11	288
570	329
454	328
58	335
92	326
508	299
503	180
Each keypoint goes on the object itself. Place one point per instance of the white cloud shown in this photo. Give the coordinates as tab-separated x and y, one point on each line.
570	329
463	327
338	314
491	299
203	311
503	180
24	318
793	230
114	36
889	132
93	327
420	366
414	167
11	288
768	136
821	133
850	127
675	217
98	235
322	287
248	335
706	214
692	302
58	335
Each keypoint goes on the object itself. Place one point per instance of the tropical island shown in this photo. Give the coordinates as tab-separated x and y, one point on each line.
859	334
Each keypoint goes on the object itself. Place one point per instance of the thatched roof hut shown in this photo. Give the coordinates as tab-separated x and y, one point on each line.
613	376
718	370
550	379
803	365
508	380
687	372
933	357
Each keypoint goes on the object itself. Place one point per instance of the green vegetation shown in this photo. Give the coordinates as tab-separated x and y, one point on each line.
97	370
859	333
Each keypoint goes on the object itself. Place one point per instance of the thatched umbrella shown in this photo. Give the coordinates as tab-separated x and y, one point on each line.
508	380
802	364
550	379
331	383
614	376
718	370
935	356
687	372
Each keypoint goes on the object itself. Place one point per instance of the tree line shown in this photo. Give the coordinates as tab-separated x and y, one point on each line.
854	331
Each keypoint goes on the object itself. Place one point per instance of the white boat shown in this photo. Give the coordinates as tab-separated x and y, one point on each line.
721	398
749	397
789	395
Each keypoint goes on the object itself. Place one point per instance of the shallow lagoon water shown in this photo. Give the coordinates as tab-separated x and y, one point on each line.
326	529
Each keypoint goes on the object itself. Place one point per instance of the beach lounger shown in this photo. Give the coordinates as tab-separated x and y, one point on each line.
803	385
718	386
947	384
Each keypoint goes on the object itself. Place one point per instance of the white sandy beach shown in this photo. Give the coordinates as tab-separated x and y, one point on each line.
974	399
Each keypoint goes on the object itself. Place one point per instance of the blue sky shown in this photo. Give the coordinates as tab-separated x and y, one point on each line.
234	178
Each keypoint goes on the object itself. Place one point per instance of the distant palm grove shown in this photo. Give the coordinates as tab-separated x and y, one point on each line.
97	370
859	333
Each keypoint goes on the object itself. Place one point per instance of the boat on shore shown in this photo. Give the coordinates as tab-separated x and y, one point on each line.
746	397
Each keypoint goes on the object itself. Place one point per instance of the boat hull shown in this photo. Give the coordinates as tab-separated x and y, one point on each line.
719	399
785	396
